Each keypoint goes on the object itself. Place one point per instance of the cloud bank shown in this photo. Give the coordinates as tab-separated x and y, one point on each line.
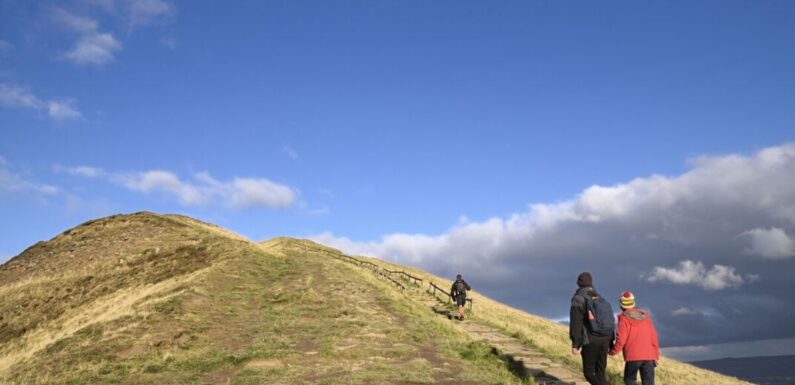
715	240
202	190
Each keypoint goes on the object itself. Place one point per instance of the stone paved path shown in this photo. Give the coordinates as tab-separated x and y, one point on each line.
523	360
530	362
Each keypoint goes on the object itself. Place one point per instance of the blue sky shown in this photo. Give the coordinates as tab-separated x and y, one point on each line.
354	121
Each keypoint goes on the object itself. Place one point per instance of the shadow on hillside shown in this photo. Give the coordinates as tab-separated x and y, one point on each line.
515	366
445	312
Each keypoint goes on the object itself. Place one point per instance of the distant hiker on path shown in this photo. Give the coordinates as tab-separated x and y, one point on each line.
637	339
591	329
459	293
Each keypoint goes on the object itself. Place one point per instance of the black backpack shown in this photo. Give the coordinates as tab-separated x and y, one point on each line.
601	320
460	288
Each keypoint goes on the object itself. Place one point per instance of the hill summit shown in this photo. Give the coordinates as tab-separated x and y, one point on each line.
166	299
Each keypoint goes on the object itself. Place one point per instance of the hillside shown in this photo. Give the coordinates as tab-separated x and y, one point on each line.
146	298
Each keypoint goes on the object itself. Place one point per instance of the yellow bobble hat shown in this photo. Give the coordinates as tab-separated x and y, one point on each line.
627	300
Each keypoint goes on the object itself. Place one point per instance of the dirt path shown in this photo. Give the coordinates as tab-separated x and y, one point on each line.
523	360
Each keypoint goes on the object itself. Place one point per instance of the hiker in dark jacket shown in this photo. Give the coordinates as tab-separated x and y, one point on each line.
637	340
592	347
459	293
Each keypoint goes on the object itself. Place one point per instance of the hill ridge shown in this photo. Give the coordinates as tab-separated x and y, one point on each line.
149	298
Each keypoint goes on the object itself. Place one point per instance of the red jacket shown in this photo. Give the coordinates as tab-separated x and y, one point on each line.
636	337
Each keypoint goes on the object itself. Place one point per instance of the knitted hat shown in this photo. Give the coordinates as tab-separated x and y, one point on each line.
584	279
627	300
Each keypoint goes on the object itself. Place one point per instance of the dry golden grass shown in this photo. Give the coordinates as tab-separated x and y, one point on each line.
134	301
99	272
143	298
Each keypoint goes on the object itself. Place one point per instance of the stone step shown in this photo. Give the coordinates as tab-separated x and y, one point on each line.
561	374
534	361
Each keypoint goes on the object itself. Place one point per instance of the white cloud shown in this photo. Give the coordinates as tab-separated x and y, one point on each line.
684	311
74	22
12	182
290	152
62	110
86	171
204	190
251	192
93	46
18	97
165	182
694	273
12	96
772	243
142	12
720	277
687	273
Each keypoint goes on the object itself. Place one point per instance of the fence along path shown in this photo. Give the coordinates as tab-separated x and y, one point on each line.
437	292
523	360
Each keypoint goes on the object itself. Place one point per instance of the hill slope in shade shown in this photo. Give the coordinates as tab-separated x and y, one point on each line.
146	298
775	370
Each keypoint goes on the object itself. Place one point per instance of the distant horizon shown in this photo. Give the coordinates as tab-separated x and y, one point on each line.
738	350
740	358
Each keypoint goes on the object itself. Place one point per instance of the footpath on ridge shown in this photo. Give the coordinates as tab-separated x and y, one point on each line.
524	361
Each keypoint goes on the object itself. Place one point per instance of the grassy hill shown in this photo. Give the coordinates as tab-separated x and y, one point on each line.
146	298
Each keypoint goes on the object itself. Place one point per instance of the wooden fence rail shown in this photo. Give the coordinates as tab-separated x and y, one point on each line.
410	278
433	289
387	274
372	266
384	273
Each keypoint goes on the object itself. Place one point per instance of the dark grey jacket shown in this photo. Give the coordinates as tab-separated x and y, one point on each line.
578	317
454	293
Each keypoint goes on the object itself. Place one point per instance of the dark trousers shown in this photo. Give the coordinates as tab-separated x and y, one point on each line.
594	360
631	369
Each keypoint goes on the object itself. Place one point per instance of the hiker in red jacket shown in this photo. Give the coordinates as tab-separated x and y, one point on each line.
637	339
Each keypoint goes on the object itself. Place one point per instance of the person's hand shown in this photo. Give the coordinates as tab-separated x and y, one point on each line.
575	351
